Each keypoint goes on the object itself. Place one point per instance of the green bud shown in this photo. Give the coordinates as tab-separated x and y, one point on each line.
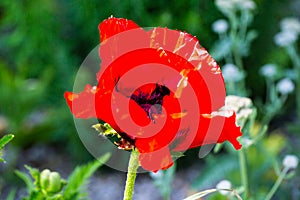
51	181
54	182
44	178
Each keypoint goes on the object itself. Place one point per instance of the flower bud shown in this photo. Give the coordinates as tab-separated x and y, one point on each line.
44	178
51	181
54	182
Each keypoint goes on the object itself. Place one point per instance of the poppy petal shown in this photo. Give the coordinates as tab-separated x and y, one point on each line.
156	160
82	105
113	26
210	132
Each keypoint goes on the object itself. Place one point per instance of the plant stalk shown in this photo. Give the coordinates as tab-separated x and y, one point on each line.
277	183
131	175
292	51
243	171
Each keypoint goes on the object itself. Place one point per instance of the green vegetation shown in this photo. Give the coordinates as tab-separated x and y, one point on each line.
43	43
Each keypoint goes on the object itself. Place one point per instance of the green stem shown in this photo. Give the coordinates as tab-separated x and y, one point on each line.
131	175
276	107
277	183
243	171
231	88
237	57
292	51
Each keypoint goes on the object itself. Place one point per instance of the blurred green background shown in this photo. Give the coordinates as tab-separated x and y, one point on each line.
43	42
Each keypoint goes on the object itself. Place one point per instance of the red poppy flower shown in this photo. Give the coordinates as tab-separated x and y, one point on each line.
159	90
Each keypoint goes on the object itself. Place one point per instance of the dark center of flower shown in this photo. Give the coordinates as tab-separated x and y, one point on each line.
151	102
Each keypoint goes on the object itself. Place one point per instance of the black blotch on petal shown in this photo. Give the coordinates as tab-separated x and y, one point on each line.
151	103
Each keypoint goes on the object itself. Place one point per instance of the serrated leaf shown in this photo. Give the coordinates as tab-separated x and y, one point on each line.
5	139
78	178
36	195
35	173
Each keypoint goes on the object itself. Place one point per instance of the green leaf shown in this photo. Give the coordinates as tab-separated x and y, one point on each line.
252	35
211	174
11	195
176	155
5	139
36	195
218	147
26	179
163	181
74	188
210	191
201	194
35	175
290	175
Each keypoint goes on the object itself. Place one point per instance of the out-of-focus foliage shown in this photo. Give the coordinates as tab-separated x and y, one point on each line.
43	42
49	185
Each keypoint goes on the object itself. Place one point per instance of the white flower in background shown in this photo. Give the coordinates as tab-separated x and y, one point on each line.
224	111
232	73
290	24
285	38
237	103
230	5
268	70
246	142
285	86
225	5
224	184
247	4
220	26
242	106
244	113
290	161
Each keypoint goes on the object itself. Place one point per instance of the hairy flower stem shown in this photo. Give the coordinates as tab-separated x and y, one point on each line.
243	171
277	183
131	175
